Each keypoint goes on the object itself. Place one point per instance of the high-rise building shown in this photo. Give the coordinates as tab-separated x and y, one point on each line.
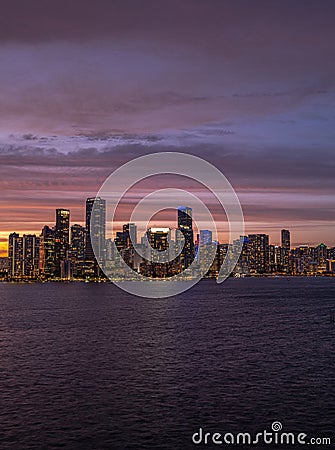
62	239
130	233
222	251
272	259
120	240
203	248
77	246
321	254
156	266
285	249
302	260
23	253
185	227
242	266
158	239
15	255
77	251
95	229
47	252
258	246
31	256
285	239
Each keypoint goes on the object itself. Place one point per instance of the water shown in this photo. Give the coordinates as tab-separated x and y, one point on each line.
87	366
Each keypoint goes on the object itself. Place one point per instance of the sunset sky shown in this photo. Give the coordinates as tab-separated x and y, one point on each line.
247	85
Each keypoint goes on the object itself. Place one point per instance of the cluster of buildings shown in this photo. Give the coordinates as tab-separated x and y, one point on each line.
65	252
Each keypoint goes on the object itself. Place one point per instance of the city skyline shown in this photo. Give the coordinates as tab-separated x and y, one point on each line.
275	236
69	251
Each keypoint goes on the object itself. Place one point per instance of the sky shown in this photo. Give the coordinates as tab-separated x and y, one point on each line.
249	86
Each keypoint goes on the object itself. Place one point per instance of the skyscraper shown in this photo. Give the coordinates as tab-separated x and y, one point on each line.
77	250
285	249
258	246
159	240
130	231
23	253
15	255
77	247
47	252
185	227
62	239
95	228
31	256
286	239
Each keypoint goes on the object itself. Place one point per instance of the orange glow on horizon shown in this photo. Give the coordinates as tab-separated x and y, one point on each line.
3	249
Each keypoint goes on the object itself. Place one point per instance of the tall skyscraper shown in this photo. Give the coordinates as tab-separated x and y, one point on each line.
77	246
47	252
77	251
285	249
286	239
31	256
15	255
185	227
95	228
62	239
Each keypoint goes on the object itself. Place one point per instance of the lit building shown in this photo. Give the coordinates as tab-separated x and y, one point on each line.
120	240
31	256
77	246
205	237
62	239
258	246
302	260
221	251
95	229
285	251
23	254
153	266
272	267
204	249
129	234
320	256
15	255
286	239
185	227
330	265
77	250
242	265
4	263
47	252
158	239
